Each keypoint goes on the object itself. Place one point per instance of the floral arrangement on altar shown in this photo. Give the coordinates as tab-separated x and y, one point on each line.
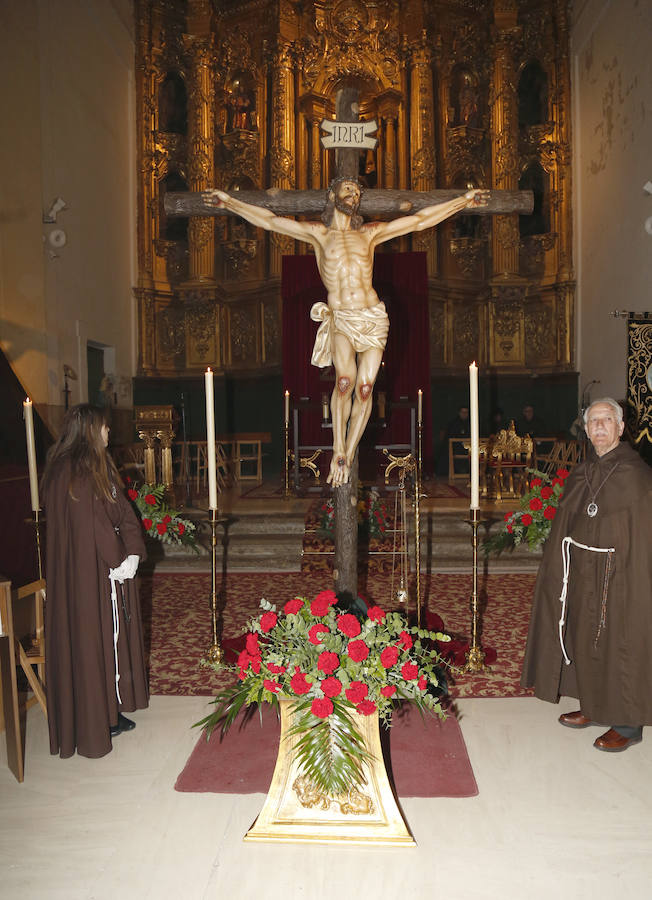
372	515
159	520
532	521
331	663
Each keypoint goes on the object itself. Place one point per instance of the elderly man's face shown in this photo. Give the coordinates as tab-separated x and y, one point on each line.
603	428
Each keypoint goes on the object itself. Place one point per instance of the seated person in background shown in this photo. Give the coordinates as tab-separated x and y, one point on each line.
529	423
496	421
460	426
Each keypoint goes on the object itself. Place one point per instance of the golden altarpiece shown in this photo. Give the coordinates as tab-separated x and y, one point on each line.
466	92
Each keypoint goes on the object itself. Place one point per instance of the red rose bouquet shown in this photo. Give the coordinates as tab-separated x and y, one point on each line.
532	521
159	520
330	662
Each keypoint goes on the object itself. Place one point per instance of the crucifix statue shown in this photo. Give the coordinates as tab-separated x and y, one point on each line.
354	324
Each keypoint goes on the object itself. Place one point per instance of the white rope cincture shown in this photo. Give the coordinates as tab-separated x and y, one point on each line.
116	630
565	556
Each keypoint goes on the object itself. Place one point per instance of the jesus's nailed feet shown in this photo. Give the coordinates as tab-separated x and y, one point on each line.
575	719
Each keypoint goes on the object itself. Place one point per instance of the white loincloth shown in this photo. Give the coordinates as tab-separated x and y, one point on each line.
365	328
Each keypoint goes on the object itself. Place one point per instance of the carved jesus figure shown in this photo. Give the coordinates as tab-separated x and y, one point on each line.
354	323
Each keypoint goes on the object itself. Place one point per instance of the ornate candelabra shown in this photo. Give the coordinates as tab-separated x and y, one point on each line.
215	653
475	657
288	492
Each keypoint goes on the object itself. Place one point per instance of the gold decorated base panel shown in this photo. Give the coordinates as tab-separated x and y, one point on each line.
294	812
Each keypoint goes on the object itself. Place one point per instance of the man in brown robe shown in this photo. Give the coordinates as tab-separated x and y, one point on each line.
607	633
86	537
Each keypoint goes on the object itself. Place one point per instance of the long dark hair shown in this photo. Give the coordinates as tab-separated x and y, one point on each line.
80	443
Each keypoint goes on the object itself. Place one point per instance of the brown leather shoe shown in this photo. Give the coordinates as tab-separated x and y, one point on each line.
575	719
613	742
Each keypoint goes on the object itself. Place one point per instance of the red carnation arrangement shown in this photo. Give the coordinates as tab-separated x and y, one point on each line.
158	519
531	522
331	664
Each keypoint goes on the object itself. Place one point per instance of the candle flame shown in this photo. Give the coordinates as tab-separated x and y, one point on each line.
208	370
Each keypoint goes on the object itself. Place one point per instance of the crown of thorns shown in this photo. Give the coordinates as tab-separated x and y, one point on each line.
344	179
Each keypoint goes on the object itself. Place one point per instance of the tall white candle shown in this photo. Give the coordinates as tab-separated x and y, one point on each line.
475	437
211	462
420	406
287	407
31	453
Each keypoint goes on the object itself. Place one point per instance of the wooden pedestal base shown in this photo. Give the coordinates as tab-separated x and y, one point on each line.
295	812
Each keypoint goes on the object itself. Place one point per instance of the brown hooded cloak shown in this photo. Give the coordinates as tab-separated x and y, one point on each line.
611	668
87	536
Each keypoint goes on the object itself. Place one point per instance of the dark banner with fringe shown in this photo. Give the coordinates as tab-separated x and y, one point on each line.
639	377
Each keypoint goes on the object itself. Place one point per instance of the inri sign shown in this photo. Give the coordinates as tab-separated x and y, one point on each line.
355	135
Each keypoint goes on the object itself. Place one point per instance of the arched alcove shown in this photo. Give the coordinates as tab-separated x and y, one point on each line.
532	95
463	98
173	105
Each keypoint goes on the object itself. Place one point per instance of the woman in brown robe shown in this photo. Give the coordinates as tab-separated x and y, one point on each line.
91	530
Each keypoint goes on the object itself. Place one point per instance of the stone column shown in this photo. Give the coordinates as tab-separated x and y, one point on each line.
282	168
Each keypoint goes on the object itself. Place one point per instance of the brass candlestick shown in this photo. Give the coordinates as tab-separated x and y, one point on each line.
288	493
37	526
215	653
475	657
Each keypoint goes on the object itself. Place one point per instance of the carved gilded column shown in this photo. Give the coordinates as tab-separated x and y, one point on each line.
561	211
422	141
504	137
201	169
403	133
282	169
146	331
145	117
388	106
313	107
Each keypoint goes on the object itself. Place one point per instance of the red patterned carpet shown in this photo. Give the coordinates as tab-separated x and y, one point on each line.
177	619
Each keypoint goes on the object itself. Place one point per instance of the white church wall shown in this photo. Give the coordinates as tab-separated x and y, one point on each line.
612	141
78	97
22	266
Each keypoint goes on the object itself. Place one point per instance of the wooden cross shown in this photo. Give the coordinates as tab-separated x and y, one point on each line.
375	205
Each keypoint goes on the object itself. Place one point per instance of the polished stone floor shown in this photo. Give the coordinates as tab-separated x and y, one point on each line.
553	818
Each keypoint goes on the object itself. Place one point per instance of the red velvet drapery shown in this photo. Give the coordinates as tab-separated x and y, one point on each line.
401	281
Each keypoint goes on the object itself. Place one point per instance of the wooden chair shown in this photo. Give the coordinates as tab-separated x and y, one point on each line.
561	455
457	451
247	449
22	644
201	465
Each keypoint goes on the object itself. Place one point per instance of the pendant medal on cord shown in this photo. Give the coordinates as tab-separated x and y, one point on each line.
592	508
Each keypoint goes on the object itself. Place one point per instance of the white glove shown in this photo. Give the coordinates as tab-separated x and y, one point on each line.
132	564
126	569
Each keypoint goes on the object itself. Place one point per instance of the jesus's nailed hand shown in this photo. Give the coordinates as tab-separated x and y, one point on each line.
477	197
214	199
